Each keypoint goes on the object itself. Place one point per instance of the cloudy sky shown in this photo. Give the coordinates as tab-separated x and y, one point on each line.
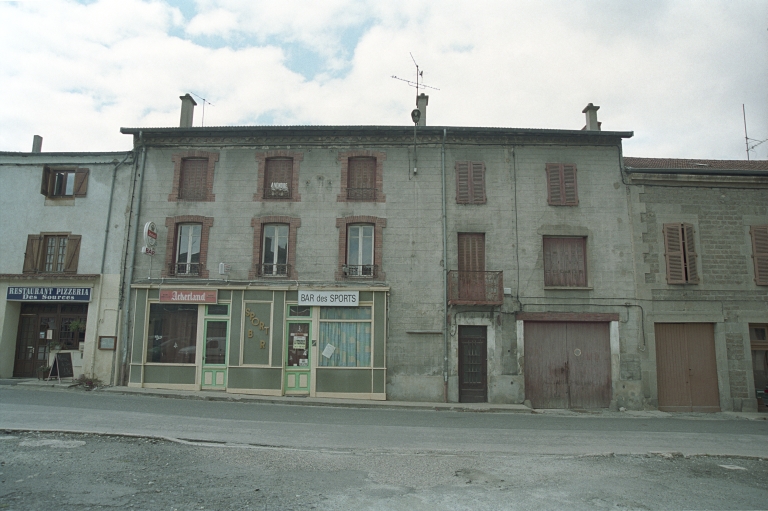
674	72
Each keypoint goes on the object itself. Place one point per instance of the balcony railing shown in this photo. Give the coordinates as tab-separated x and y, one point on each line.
273	270
475	288
361	193
184	269
360	271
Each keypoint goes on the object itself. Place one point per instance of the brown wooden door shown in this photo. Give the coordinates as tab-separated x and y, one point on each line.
473	364
686	367
567	365
471	266
31	350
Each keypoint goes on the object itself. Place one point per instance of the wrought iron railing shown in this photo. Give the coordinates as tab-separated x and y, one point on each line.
475	287
182	269
273	270
362	271
361	193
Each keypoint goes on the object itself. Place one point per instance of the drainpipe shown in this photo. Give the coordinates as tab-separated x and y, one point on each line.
445	277
127	283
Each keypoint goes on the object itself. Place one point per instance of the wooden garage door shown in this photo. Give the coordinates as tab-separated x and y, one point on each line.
686	368
567	364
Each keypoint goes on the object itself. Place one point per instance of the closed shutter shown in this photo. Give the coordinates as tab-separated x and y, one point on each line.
554	188
362	173
561	185
32	254
194	179
692	272
760	253
462	182
73	254
81	182
279	170
565	262
673	244
471	252
570	195
478	183
46	182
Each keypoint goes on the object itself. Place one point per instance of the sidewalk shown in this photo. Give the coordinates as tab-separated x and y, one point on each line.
394	405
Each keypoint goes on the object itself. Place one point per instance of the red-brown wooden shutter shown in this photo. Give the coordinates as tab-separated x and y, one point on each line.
673	244
279	170
570	195
478	183
73	254
565	262
194	179
471	252
462	182
554	184
362	173
692	271
32	254
46	182
760	253
81	182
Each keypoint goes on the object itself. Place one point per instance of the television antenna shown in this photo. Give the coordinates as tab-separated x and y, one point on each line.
419	86
202	122
747	140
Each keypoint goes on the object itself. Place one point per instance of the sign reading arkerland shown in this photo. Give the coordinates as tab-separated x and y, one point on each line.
329	298
188	295
49	294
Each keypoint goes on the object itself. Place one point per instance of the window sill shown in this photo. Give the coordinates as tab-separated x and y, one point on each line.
568	288
60	201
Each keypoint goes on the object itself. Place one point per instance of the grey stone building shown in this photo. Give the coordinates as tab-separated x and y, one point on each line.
700	229
65	217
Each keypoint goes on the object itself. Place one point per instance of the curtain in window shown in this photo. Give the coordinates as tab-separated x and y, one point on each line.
351	339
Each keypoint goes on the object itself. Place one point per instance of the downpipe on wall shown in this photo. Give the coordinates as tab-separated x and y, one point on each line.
445	275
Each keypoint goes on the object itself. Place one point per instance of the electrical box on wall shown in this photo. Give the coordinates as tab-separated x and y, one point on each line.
224	268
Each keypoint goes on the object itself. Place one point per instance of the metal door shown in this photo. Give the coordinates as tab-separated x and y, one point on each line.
473	364
686	367
568	364
298	359
214	371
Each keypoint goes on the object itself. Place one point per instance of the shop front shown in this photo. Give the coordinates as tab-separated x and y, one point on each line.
316	343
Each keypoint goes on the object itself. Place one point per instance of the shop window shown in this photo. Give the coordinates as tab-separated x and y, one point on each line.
362	176
760	253
470	182
565	262
172	333
64	182
360	251
561	185
680	254
52	253
274	247
193	176
187	246
360	247
345	337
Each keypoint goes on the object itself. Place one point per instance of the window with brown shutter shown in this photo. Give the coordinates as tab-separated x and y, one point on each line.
680	254
64	183
760	253
361	179
52	253
561	185
278	178
565	261
470	182
193	181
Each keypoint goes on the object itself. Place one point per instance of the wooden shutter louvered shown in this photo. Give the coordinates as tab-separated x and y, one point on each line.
554	184
570	195
760	253
194	179
81	182
478	183
32	254
462	182
691	267
278	171
46	182
361	178
471	252
73	254
565	262
673	244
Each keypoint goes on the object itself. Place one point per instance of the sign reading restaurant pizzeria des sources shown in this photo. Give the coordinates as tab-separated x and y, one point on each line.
49	294
329	298
188	296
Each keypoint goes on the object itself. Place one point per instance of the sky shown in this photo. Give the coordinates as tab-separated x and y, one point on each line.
674	72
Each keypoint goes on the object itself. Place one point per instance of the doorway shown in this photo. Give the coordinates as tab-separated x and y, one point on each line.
473	364
298	358
214	371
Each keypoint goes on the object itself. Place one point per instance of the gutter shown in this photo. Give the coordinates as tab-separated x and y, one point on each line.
445	274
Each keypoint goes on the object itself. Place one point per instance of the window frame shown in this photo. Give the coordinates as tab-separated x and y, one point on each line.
344	159
360	268
562	179
76	175
195	231
262	158
36	253
275	236
259	224
680	254
378	232
172	225
470	182
568	281
178	159
759	236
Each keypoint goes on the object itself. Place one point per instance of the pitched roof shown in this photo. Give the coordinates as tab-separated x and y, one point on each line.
679	163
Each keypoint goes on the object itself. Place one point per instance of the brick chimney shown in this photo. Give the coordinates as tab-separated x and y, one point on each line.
187	111
421	103
591	111
37	144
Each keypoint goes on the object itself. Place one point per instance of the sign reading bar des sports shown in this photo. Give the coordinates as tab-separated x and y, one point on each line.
49	294
329	298
188	296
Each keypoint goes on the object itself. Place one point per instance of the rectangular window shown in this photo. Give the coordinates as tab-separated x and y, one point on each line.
52	253
561	185
274	253
360	251
55	253
172	333
680	254
565	262
348	332
193	180
278	178
470	182
760	253
471	258
361	179
64	182
188	249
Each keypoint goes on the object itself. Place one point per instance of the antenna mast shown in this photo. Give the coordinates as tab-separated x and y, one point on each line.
747	140
416	83
202	122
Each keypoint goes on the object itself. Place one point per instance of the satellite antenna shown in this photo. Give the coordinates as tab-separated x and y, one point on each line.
747	140
202	122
